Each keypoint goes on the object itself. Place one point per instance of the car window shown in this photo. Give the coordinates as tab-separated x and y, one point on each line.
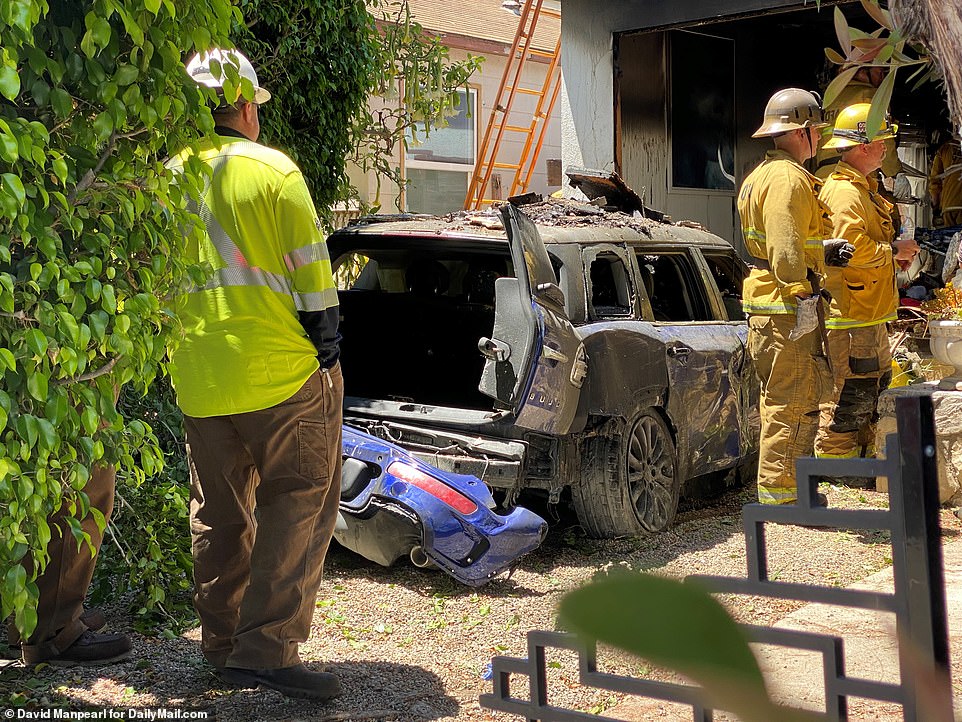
462	276
355	270
609	287
673	286
729	274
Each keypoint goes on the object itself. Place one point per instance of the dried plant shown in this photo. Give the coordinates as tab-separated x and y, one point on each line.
946	306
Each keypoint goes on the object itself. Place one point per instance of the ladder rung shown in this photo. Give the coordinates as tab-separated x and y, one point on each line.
517	129
529	91
507	166
550	13
542	53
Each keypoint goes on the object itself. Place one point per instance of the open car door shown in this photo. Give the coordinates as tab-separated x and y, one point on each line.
535	361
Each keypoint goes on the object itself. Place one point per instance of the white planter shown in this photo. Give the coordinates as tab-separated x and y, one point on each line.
946	344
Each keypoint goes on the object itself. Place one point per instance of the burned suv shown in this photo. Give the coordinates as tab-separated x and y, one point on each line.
594	351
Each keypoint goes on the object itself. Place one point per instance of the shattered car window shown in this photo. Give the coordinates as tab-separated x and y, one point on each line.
673	287
728	275
610	288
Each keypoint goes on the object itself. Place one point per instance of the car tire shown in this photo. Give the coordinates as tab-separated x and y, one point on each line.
629	483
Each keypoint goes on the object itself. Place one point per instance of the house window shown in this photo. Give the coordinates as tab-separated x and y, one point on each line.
702	111
438	166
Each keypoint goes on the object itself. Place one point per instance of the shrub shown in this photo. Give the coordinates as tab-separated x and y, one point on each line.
91	96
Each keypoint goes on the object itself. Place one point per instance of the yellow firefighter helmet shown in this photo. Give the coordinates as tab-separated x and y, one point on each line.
851	128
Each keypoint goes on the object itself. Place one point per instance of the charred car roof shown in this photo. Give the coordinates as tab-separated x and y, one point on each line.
558	220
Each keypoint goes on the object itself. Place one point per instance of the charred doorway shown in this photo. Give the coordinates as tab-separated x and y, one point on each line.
688	98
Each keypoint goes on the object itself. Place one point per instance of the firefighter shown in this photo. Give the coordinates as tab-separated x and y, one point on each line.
258	379
860	89
945	183
784	225
864	293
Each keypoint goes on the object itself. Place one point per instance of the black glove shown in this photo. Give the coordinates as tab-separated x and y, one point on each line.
838	252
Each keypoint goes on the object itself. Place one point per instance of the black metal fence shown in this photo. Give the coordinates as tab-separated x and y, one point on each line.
917	602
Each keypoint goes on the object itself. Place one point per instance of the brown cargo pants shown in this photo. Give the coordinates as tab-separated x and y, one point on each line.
66	578
794	380
862	366
265	487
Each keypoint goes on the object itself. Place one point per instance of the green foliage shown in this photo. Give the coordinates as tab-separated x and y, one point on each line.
317	57
146	552
885	47
93	95
92	98
414	89
323	60
683	628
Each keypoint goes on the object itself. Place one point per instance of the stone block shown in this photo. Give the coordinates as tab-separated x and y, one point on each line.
948	432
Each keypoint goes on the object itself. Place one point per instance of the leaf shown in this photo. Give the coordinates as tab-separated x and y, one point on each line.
152	5
37	385
673	625
59	166
126	74
842	32
36	341
108	300
7	358
103	125
49	440
88	45
15	581
100	31
885	54
882	17
90	419
838	85
880	104
8	147
61	102
13	186
9	82
834	56
867	45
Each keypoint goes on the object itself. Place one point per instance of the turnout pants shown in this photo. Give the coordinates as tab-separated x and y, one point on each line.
794	380
862	366
64	582
265	487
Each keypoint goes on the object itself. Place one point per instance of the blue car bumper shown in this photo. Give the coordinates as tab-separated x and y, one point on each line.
393	505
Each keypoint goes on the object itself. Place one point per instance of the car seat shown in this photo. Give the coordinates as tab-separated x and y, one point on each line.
427	277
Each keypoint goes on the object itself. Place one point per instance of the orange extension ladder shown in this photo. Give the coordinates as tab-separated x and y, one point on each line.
499	122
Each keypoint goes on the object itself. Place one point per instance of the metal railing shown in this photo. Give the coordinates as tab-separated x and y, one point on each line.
917	600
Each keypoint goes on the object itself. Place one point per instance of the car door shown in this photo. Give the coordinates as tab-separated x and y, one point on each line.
535	361
701	353
727	273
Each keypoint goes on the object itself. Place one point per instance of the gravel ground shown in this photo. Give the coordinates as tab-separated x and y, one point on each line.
411	644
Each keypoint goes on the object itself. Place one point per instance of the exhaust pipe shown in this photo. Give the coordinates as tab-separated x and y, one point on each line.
420	559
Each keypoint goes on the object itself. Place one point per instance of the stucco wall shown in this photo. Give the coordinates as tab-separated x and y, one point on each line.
587	110
486	81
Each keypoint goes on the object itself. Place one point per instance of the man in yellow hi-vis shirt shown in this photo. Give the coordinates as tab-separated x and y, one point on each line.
784	226
258	380
864	293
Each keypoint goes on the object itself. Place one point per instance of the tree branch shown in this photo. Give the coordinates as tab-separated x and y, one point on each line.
102	371
20	316
91	175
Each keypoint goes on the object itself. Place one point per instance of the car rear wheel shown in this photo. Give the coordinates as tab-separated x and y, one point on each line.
629	483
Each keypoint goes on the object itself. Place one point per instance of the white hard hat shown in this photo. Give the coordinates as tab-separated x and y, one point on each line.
198	68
